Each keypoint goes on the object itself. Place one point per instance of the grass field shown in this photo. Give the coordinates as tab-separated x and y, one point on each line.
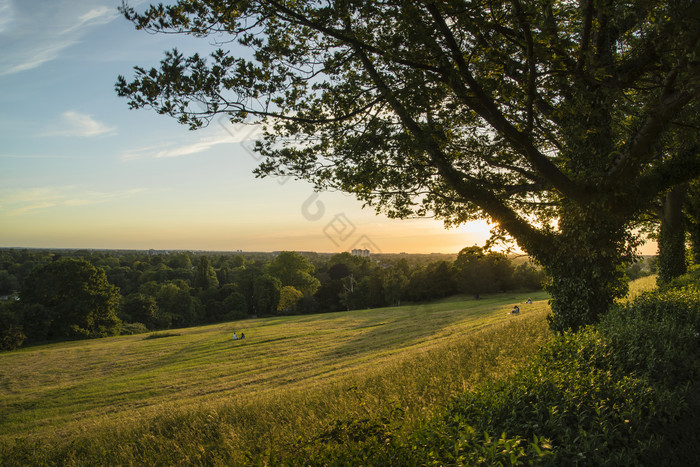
291	376
641	285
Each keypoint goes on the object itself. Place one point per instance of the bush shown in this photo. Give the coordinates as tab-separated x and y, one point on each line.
571	395
609	394
129	329
692	278
657	335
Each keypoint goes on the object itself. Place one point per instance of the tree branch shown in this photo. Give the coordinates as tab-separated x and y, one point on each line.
520	229
657	118
485	106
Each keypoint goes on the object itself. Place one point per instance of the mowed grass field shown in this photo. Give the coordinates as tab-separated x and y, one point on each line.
134	398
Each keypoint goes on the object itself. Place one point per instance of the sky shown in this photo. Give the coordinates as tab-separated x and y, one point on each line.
78	169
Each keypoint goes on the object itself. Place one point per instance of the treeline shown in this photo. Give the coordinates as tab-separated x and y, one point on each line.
82	294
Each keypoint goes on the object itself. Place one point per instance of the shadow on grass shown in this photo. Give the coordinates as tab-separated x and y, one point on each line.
160	335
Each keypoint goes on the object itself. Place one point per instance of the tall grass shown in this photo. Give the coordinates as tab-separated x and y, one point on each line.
202	398
638	286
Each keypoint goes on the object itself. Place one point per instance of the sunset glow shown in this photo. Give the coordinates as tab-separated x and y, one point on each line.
78	169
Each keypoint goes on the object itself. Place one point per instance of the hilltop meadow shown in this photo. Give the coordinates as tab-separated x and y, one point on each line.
155	397
454	382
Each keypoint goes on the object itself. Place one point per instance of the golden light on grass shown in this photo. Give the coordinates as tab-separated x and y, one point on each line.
290	377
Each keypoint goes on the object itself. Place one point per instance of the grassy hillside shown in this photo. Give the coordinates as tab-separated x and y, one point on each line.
641	285
191	394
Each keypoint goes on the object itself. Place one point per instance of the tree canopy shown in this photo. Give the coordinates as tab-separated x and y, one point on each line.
557	120
294	270
69	298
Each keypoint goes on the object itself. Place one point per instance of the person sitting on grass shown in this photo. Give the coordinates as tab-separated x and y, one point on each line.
235	337
242	335
516	310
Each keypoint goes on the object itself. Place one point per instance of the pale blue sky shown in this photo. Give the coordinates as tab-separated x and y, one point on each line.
78	169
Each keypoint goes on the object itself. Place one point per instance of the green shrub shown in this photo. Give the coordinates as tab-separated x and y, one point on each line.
606	395
570	395
692	278
657	335
129	329
384	441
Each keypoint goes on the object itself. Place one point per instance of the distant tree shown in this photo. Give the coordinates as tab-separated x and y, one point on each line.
37	321
293	269
289	297
222	275
395	283
77	299
431	281
235	261
330	296
205	276
439	280
179	260
236	306
8	283
528	276
142	308
177	307
174	297
125	278
11	331
214	311
244	278
477	272
372	286
266	294
635	271
158	272
339	271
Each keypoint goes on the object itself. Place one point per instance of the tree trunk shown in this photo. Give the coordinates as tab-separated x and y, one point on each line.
585	266
672	236
694	230
693	222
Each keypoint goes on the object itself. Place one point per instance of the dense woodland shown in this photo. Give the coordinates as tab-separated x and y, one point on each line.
68	294
80	294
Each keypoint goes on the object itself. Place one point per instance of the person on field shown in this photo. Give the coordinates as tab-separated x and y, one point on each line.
242	335
516	310
529	301
235	337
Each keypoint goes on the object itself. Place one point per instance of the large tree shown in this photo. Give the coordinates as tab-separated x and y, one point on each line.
295	270
556	119
69	298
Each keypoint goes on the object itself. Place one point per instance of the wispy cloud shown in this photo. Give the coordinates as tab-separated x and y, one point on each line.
42	156
78	124
23	201
31	34
7	15
203	144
